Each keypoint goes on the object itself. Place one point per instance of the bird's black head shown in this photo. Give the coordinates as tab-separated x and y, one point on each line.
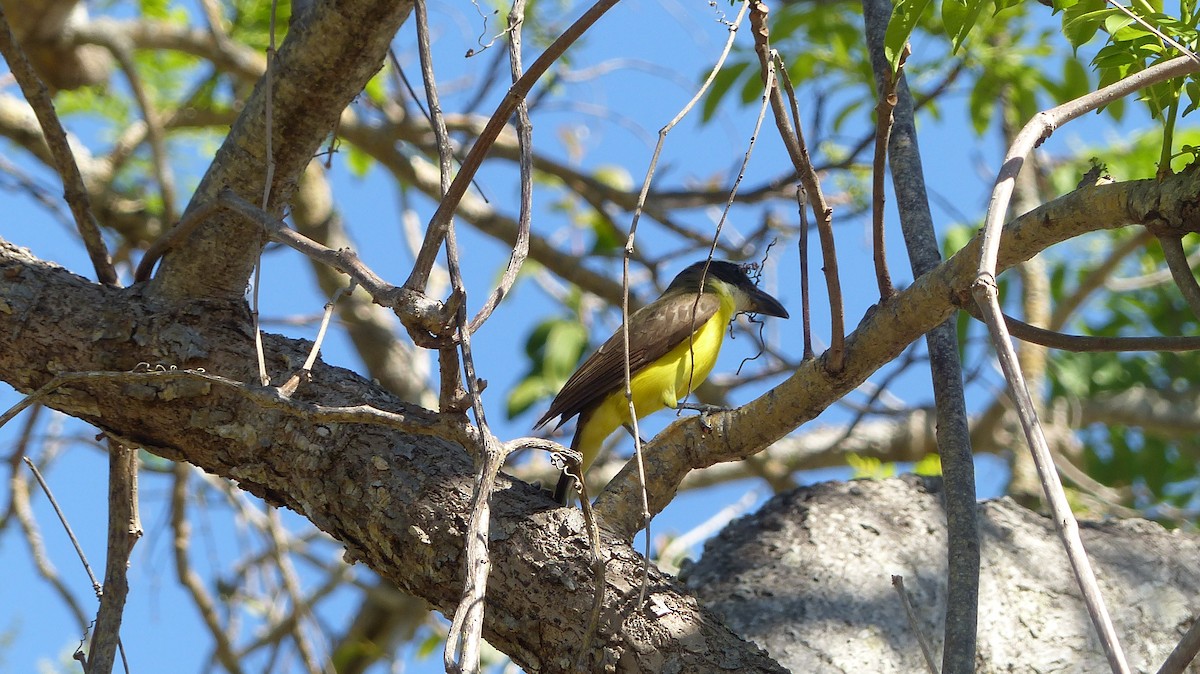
731	274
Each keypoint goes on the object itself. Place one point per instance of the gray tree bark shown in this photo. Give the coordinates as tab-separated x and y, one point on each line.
808	578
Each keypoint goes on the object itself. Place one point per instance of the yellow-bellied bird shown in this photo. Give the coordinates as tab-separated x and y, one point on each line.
673	345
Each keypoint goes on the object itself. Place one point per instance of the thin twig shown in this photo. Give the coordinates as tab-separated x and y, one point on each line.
737	182
268	116
953	431
271	634
64	160
291	585
926	649
681	544
413	309
988	298
599	565
791	133
121	47
440	222
883	133
633	419
451	392
124	530
19	506
986	295
464	641
289	386
1097	278
1156	31
190	579
639	207
805	307
96	587
190	221
628	252
1181	271
1149	280
1092	343
1043	124
400	78
716	236
520	249
1184	652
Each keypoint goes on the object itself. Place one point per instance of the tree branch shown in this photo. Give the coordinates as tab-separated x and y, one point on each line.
327	58
882	335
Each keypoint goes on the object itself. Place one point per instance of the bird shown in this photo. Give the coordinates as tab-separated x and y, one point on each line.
673	345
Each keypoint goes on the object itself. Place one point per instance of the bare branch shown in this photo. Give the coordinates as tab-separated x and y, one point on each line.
881	336
64	162
1184	653
440	222
953	430
926	650
1181	270
124	530
883	133
315	77
189	578
793	140
19	507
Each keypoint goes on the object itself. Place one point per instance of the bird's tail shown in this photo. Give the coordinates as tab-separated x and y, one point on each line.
565	488
564	491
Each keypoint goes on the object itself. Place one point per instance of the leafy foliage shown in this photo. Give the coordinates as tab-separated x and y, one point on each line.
554	348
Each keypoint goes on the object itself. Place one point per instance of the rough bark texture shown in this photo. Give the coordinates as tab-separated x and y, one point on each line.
396	498
395	489
43	28
884	332
809	578
326	60
387	478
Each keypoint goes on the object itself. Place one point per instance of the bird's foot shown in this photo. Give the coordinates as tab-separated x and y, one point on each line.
703	408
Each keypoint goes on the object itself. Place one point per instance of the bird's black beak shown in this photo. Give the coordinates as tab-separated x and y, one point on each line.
762	303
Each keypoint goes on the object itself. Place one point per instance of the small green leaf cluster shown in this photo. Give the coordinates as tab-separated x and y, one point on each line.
1132	46
823	45
554	348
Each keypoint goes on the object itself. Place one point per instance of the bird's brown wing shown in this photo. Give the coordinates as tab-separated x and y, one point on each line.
653	331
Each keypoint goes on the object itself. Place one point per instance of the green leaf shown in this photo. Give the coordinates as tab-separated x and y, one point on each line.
614	176
721	85
905	16
930	465
982	103
554	348
752	88
536	342
954	17
1192	89
959	17
1082	19
1075	81
870	467
523	396
844	115
609	241
788	20
565	343
1115	22
358	162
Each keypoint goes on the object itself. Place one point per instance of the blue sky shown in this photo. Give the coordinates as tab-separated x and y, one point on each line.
161	625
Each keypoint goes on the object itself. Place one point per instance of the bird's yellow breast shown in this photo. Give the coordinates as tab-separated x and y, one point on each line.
660	384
